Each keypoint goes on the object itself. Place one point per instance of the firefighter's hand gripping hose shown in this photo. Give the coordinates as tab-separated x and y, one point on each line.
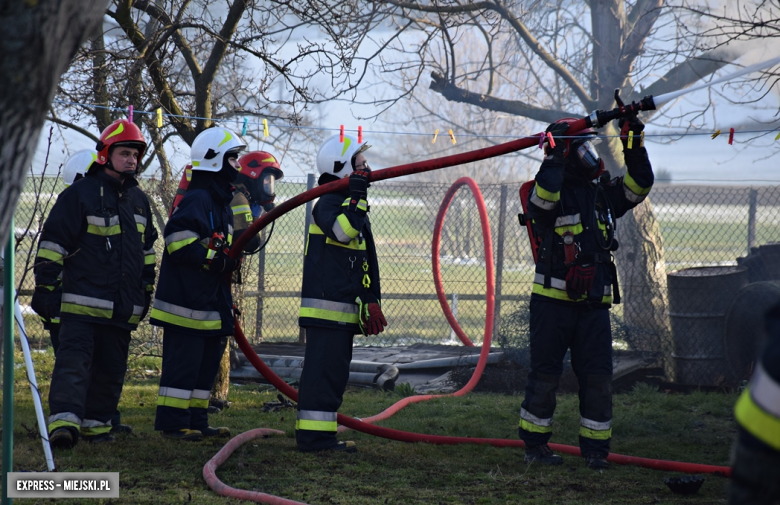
209	471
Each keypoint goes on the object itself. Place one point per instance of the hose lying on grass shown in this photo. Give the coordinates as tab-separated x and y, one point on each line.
364	426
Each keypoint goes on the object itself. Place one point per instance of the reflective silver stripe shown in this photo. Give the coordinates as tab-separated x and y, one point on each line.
317	415
561	284
140	219
315	303
149	252
180	235
541	202
52	246
65	416
91	423
201	394
555	283
524	414
182	394
87	301
341	235
568	220
595	425
137	310
765	391
230	229
631	196
101	221
198	315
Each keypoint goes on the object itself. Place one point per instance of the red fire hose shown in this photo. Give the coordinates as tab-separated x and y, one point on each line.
209	471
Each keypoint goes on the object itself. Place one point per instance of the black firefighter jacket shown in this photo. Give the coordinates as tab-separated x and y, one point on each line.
99	235
190	298
561	203
340	269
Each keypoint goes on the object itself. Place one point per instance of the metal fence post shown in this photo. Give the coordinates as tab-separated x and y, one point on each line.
500	259
309	185
752	206
260	290
454	310
8	363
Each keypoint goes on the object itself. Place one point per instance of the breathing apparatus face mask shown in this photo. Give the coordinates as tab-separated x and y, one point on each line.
587	159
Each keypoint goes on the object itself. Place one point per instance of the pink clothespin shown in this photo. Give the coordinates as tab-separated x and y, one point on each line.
360	134
341	134
130	113
542	136
551	140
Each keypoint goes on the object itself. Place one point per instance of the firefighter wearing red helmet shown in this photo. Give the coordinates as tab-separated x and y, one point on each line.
573	208
99	239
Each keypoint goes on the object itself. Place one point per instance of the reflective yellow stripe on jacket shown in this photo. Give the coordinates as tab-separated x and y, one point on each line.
355	243
329	311
557	290
758	409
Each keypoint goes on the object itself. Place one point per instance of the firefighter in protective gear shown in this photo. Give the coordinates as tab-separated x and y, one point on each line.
48	305
99	240
756	454
340	296
573	206
193	303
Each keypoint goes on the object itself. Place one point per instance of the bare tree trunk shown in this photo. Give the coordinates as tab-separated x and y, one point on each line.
37	41
222	382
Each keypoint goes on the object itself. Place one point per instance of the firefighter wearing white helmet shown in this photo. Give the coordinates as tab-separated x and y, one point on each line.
193	303
340	296
76	165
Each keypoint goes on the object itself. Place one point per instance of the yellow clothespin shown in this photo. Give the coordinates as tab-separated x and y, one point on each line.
265	127
452	136
778	136
717	132
435	134
642	140
630	139
159	117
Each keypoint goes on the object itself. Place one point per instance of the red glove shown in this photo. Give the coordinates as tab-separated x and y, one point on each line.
371	319
579	280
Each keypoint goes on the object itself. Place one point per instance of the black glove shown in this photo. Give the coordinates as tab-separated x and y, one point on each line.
358	184
46	303
147	304
224	263
631	124
557	130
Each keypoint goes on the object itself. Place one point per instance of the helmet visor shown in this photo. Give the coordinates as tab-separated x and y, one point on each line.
587	156
269	185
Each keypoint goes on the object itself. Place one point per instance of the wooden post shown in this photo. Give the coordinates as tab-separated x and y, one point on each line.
752	207
500	259
309	185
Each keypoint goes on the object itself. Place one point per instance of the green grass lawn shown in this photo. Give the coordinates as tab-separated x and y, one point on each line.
698	427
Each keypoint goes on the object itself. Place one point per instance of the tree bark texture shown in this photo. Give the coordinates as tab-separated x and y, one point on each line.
38	38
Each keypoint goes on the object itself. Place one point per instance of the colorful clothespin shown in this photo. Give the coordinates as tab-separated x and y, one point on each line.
360	134
435	134
630	139
731	136
717	132
265	127
551	140
341	134
130	113
542	136
159	117
778	136
452	136
243	129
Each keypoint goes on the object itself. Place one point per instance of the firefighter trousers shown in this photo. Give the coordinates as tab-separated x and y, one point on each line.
554	328
89	372
323	381
190	365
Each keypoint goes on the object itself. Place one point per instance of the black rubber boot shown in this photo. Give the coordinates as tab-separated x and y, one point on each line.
63	438
122	428
543	455
184	434
222	432
596	462
98	439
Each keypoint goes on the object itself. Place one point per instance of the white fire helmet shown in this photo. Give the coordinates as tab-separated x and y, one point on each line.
77	164
334	157
210	146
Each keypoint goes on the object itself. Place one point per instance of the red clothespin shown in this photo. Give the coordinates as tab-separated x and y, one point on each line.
360	134
731	136
542	136
130	113
341	134
551	140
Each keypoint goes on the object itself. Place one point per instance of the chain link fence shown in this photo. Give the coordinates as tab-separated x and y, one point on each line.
704	230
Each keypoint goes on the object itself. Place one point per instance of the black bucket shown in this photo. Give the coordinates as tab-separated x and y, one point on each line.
698	301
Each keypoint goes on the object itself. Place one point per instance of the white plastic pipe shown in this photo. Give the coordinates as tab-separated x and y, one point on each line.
661	99
33	386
